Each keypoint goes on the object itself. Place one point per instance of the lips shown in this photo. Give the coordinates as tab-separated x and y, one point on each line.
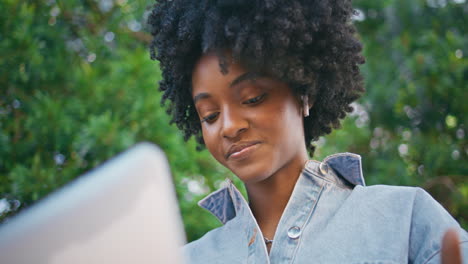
239	148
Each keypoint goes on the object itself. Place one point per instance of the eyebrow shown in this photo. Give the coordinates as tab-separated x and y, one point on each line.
241	78
244	77
200	96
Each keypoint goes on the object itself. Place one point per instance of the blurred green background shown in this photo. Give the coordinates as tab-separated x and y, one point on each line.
77	87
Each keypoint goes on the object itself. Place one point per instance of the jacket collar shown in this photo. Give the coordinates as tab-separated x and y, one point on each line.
347	166
346	169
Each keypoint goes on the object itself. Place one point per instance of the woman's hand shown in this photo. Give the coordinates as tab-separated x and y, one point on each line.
451	253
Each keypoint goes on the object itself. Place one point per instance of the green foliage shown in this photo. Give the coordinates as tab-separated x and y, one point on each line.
77	87
410	125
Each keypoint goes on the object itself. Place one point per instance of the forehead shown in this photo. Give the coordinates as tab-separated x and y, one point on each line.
207	73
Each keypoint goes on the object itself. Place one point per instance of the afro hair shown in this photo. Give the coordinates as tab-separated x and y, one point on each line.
308	44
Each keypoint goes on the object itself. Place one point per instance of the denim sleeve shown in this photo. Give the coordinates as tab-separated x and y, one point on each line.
429	223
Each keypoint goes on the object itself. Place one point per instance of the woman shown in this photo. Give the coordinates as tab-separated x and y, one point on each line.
256	82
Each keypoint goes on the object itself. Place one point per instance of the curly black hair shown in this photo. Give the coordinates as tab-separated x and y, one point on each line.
308	44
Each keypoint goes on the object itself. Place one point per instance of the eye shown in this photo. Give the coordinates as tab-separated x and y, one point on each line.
255	100
210	118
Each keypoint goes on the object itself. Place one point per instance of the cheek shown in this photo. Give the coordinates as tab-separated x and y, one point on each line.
285	131
282	120
212	142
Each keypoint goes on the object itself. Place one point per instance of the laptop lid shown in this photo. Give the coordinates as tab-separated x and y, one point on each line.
124	211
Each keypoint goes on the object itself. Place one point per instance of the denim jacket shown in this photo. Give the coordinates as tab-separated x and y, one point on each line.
331	217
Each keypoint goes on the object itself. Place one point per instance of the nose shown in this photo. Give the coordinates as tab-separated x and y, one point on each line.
234	123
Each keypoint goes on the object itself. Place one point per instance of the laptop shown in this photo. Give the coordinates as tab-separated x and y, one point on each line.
124	211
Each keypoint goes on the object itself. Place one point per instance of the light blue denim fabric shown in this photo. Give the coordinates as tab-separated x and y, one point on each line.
331	217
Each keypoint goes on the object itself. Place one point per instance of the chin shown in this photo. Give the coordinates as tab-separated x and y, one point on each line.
252	173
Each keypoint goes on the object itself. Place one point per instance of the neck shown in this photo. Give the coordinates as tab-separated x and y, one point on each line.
269	198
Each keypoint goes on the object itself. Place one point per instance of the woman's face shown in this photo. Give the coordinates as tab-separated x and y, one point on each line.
253	126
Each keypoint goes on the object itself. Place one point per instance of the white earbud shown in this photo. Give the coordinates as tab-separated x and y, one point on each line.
305	105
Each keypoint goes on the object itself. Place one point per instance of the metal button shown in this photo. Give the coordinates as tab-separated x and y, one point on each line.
294	232
323	168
